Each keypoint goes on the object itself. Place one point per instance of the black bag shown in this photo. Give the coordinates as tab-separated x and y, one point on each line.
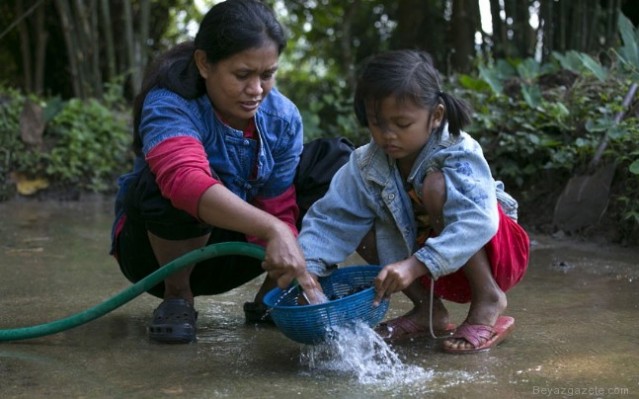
320	159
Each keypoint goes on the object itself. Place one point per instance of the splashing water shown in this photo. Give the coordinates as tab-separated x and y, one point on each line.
357	349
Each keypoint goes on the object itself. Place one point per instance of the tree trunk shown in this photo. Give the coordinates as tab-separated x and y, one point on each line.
464	24
108	40
86	46
25	48
145	25
500	37
95	61
526	34
547	27
134	75
42	36
345	42
562	22
421	25
409	22
70	39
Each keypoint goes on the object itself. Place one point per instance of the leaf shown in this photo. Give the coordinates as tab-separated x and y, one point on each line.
617	132
490	76
629	49
471	83
598	125
634	167
569	61
594	66
27	186
528	69
532	95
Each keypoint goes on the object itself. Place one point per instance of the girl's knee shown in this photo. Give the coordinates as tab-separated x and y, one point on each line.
434	196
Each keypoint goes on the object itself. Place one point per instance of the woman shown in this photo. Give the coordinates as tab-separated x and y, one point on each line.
217	150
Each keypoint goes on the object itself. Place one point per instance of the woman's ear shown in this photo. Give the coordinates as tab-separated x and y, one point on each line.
201	62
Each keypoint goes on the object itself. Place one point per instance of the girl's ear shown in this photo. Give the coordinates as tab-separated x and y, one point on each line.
437	116
201	62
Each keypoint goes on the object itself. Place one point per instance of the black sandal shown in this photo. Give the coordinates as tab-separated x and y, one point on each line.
173	322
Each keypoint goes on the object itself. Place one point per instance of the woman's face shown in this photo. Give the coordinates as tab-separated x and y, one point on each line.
238	84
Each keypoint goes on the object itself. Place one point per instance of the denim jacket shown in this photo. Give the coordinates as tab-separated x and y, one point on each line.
369	192
231	156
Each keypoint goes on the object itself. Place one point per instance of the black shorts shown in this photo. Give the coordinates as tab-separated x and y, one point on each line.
148	211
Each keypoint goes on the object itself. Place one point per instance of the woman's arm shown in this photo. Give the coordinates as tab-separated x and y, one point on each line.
185	178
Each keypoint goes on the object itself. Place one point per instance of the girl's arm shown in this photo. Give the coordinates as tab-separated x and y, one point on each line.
336	223
470	216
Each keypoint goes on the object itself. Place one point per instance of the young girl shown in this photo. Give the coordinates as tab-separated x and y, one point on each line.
425	189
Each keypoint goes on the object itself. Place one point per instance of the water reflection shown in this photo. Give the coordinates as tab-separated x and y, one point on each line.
576	315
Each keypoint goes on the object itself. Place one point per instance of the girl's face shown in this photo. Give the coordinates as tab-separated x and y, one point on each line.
238	84
401	128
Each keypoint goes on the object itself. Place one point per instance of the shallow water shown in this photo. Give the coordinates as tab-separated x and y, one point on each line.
576	311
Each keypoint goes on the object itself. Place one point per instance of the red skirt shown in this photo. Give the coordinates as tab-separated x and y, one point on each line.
508	252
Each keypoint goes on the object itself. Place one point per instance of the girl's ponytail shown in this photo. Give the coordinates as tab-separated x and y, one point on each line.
458	112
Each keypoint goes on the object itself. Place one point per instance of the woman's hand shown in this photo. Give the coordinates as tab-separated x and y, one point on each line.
397	277
283	258
312	293
284	262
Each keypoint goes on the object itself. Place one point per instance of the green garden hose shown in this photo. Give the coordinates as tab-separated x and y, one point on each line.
211	251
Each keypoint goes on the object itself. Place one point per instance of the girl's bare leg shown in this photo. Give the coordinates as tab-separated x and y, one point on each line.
434	198
487	302
420	314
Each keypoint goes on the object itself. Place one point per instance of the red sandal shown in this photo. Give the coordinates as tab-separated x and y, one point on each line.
482	337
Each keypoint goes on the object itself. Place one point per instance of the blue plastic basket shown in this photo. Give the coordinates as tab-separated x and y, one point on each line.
312	324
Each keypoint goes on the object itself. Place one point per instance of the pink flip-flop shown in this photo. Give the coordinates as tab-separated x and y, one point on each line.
482	337
403	328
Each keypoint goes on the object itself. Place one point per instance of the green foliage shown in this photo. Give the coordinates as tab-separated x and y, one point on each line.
628	54
10	145
85	144
548	119
91	145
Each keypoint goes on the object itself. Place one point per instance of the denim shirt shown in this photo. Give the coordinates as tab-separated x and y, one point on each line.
369	192
231	156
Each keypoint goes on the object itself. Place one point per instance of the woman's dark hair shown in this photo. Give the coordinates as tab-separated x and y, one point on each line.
228	28
409	75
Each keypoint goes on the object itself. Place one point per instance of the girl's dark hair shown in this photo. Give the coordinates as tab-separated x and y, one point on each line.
409	75
228	28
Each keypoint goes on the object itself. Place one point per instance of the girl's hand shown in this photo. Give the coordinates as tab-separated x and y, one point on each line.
397	277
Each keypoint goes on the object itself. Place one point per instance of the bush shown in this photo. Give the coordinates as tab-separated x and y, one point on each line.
85	146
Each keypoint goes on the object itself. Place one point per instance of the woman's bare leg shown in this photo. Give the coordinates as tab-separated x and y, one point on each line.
177	285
